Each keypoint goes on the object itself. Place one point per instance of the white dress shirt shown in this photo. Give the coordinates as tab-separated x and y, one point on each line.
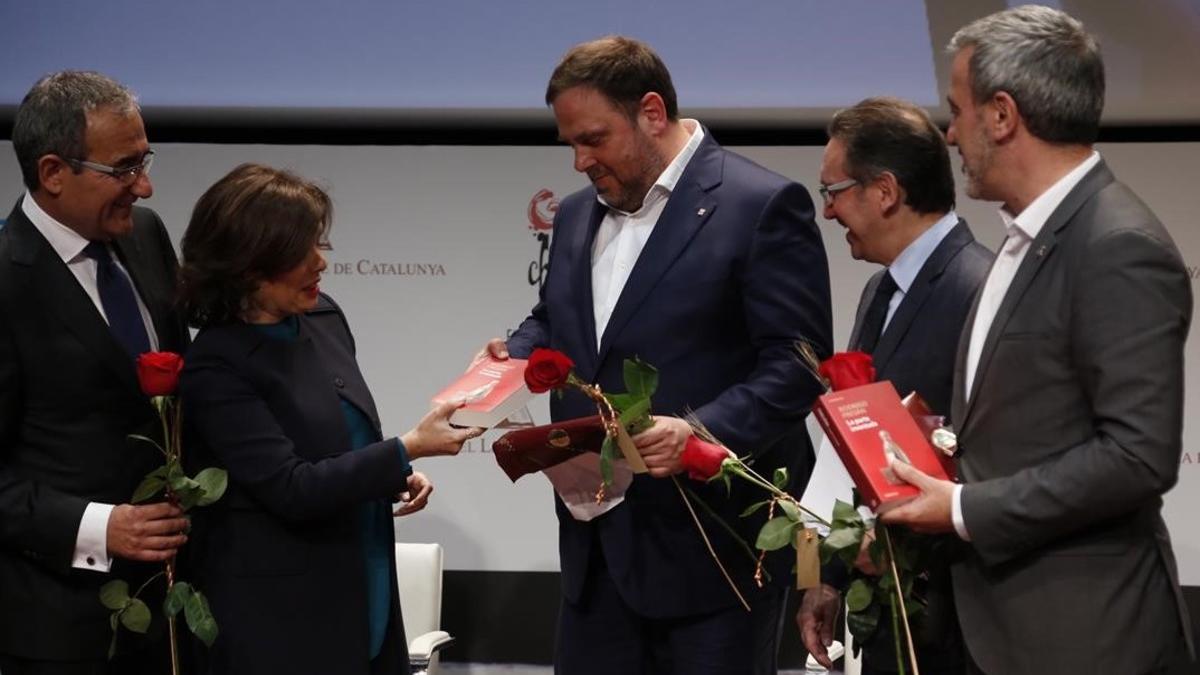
1022	230
622	235
91	542
905	268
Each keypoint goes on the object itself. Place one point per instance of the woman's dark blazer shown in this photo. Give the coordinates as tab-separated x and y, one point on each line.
280	556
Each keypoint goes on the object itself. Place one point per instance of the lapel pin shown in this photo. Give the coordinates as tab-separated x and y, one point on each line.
1041	250
701	211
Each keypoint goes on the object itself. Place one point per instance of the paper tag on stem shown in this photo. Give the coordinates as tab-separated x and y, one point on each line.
630	451
808	559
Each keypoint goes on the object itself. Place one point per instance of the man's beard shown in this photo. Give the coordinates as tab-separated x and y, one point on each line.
632	193
982	163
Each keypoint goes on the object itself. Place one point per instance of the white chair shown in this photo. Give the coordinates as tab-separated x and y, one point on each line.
419	579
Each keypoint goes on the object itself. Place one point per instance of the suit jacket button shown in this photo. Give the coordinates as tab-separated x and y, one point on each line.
339	382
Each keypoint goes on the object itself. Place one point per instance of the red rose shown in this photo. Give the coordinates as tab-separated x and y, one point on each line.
158	372
547	369
848	369
702	459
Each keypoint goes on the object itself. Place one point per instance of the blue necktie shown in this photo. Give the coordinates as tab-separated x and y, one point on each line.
119	302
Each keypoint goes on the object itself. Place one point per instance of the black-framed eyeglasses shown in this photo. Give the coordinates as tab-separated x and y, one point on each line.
125	175
829	192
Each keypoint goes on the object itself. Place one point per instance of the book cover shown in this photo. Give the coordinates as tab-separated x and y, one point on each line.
524	451
868	426
493	390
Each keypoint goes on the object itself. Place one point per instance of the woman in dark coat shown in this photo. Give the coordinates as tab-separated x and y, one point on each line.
297	559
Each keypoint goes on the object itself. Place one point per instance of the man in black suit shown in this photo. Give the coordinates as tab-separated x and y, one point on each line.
86	284
886	178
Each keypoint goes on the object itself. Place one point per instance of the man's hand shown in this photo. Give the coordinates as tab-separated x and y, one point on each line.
496	348
863	562
930	512
146	532
416	497
662	444
817	619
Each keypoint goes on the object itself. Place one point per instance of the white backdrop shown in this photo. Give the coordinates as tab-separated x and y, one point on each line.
433	249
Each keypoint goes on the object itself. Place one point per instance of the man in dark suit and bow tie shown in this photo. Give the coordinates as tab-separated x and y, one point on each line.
886	178
710	268
86	285
1068	387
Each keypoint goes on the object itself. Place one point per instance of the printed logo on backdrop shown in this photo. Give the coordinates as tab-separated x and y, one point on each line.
542	208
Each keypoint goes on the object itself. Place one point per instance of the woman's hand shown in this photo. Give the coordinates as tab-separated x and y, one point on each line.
416	497
433	435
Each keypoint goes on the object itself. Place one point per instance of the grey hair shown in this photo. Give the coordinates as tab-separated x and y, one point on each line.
52	118
1046	61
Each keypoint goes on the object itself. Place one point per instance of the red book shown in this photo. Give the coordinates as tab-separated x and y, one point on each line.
867	425
493	390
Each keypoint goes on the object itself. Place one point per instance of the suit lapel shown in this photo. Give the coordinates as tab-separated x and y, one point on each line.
919	291
1040	250
688	208
56	288
581	278
863	302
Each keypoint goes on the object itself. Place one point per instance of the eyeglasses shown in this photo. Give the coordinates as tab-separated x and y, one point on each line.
829	192
125	175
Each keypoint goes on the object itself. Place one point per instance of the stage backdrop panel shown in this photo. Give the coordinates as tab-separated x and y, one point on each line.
437	249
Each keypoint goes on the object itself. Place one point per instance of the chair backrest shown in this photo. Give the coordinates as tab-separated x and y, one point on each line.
419	580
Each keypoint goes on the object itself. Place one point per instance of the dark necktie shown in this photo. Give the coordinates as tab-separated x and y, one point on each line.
119	302
872	325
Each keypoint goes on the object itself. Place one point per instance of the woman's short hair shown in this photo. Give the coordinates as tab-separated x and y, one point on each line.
254	224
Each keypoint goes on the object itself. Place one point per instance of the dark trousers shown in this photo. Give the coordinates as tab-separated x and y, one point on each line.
605	636
155	661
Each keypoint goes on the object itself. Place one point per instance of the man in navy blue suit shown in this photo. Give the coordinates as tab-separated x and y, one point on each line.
886	178
710	268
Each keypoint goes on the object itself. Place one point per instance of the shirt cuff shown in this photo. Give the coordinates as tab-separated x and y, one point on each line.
404	463
956	514
91	543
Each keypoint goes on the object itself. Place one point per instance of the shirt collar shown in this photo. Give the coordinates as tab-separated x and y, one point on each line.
908	264
670	176
1031	221
67	243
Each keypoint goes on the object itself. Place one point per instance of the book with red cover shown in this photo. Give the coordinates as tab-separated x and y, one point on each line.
493	390
867	425
524	451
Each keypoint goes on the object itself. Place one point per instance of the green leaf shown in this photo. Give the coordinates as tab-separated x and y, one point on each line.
213	481
115	594
641	378
636	419
622	401
843	537
859	595
177	597
862	624
189	496
846	514
150	486
182	483
608	452
728	483
754	507
147	439
200	619
780	478
790	510
776	533
136	617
